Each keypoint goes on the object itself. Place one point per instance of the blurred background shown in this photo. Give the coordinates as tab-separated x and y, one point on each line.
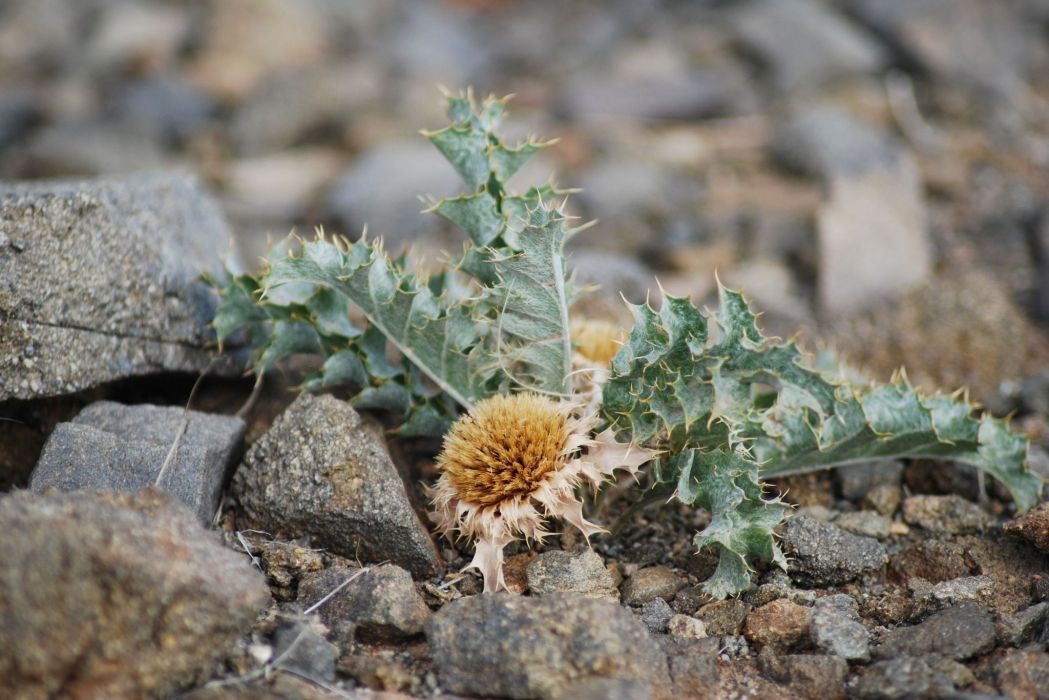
873	173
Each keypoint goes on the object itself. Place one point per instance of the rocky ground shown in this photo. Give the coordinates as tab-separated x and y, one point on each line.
871	172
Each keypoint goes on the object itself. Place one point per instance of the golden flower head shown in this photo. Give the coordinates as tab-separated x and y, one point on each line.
597	341
511	462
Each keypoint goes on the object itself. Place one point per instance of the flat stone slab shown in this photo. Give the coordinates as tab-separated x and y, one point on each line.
113	447
99	280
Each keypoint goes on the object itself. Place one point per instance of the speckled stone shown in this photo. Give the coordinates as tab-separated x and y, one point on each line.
323	472
99	280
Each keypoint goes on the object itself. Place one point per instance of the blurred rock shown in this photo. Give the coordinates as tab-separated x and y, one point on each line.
656	614
686	627
18	107
247	40
614	274
323	471
540	646
941	37
694	667
856	480
1023	674
381	189
945	514
136	36
580	571
113	447
380	604
287	109
651	582
826	141
822	554
1032	526
836	628
724	616
304	650
165	108
958	632
85	149
900	678
865	523
778	626
805	43
695	94
279	186
809	675
103	282
873	242
115	595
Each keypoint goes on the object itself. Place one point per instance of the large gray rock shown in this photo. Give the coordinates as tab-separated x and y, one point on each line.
116	596
508	646
99	281
379	604
826	141
822	554
805	43
836	628
323	472
113	447
959	632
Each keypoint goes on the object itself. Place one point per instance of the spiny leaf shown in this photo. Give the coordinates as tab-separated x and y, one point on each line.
731	409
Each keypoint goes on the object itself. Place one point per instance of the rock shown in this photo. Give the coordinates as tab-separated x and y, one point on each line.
580	571
690	599
836	628
805	43
102	282
540	646
1033	526
827	142
865	523
651	582
933	560
656	614
115	595
381	190
809	676
779	626
285	563
376	672
855	481
379	604
1024	626
288	108
1023	674
304	650
959	632
898	679
278	186
17	110
823	554
280	686
937	37
724	616
965	588
113	447
686	627
873	240
324	472
166	107
694	667
88	149
245	41
127	36
945	514
696	94
884	498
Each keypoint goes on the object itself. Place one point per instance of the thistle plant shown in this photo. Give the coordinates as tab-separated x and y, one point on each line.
553	404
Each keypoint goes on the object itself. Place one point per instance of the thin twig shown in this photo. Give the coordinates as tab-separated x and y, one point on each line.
183	425
335	590
244	543
253	398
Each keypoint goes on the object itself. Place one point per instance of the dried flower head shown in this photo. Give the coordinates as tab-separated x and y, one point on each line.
511	462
